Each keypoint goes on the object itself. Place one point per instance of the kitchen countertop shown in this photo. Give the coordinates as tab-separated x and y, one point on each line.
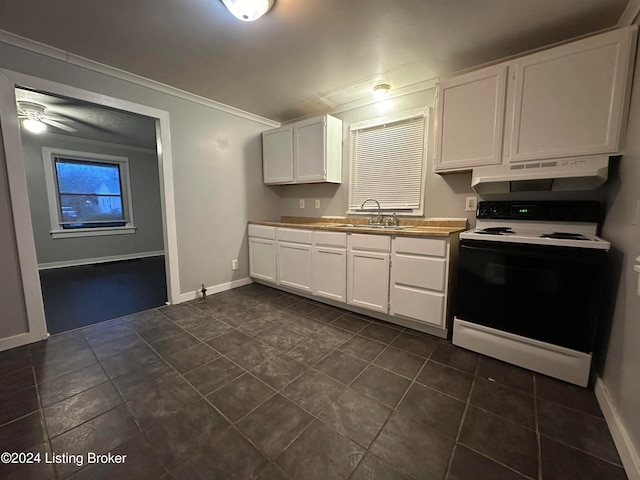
435	227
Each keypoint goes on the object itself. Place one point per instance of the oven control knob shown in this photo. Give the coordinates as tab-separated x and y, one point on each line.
484	211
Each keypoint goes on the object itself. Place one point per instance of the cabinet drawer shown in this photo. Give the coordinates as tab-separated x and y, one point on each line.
262	231
378	243
330	239
424	306
294	235
419	272
420	246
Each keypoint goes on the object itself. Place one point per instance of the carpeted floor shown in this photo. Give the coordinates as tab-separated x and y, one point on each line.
78	296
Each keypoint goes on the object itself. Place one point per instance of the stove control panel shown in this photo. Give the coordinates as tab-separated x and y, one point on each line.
563	211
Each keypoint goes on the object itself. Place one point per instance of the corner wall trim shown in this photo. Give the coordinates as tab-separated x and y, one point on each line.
222	287
91	261
630	14
629	453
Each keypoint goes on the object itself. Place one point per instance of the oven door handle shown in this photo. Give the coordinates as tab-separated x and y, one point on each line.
525	250
521	252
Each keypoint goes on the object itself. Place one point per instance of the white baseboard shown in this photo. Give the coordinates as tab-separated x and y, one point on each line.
91	261
186	297
15	341
629	453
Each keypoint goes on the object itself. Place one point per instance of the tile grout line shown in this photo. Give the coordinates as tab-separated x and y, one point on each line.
467	404
537	425
392	410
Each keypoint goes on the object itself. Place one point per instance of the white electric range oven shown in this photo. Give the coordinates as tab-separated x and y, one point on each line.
530	279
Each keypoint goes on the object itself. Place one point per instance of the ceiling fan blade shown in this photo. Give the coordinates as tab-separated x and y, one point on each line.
58	118
58	125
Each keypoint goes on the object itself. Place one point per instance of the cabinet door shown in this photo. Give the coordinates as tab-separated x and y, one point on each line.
262	259
277	155
330	273
295	266
570	100
309	145
368	280
419	273
417	288
469	119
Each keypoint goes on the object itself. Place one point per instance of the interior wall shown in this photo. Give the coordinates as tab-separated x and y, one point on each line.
217	167
145	193
13	320
621	364
445	195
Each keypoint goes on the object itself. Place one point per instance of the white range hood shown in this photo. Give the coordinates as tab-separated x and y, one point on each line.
582	173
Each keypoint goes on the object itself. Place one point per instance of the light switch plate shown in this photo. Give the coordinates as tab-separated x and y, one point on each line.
301	203
317	203
471	203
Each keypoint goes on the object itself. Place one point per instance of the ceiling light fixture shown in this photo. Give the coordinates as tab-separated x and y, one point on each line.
382	91
34	125
248	10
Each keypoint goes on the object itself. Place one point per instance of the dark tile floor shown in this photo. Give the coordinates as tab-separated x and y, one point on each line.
256	383
79	296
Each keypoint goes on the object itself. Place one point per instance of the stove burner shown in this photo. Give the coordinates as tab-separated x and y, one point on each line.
496	231
564	236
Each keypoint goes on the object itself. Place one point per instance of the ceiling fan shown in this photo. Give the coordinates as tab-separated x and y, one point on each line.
35	119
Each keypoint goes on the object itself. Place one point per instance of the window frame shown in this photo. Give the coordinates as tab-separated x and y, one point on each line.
49	156
381	121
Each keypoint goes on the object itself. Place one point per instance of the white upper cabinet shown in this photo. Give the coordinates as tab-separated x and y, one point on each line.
277	146
571	100
567	101
469	119
309	151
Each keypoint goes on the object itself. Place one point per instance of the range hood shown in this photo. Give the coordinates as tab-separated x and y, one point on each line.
578	173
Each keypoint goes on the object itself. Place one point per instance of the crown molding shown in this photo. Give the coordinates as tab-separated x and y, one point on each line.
67	57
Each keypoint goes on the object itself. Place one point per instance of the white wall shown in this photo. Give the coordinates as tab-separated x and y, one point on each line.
621	366
444	196
217	166
145	193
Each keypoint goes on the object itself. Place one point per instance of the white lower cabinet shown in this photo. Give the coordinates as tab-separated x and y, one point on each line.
330	265
368	271
262	253
419	278
294	254
404	278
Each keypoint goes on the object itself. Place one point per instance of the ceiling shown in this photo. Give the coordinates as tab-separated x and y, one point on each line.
93	122
304	57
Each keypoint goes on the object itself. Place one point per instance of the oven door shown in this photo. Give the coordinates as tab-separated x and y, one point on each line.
547	293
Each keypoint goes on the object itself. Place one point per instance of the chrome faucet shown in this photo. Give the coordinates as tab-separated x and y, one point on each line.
379	219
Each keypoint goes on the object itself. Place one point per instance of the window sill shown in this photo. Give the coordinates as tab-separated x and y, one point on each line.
93	232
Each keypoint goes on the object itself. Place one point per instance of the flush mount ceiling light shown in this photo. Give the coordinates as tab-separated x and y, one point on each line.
382	91
248	10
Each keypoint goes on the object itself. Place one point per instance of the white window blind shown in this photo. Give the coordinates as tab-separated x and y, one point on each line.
387	163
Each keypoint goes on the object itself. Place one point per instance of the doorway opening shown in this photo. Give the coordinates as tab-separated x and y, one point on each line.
94	182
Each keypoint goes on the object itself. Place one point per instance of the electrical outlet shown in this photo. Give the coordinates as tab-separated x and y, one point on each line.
301	203
317	203
471	203
234	264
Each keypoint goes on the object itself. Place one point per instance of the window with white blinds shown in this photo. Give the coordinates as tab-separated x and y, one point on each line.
388	163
